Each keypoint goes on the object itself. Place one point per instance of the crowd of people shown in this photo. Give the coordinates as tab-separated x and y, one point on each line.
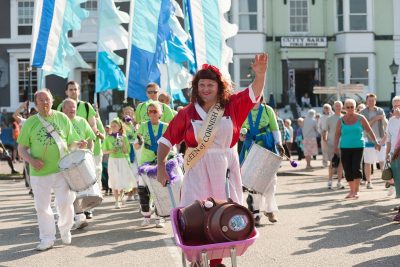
215	130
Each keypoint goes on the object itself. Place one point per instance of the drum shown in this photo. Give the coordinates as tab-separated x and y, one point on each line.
90	198
160	193
259	168
78	169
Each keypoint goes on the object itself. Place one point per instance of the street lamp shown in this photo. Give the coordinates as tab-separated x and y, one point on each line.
394	68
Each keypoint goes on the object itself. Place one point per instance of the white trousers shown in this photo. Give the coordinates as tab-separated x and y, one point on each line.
266	202
42	186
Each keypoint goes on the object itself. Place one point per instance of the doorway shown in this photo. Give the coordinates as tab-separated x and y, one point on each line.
304	84
88	79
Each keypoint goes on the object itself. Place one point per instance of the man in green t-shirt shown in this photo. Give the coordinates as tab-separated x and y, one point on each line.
84	131
38	147
84	109
152	92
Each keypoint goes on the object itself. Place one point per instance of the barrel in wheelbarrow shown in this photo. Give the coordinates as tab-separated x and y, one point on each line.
193	251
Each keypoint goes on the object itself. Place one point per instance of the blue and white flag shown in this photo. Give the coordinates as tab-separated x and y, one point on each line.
51	49
111	36
154	43
209	30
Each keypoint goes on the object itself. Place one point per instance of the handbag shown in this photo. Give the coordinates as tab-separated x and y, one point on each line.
387	173
335	161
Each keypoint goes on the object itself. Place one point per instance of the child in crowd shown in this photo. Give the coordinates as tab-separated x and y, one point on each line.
120	174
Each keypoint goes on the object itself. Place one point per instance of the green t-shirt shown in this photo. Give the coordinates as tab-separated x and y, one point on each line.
148	155
141	112
267	118
131	132
42	145
97	144
81	110
110	142
83	129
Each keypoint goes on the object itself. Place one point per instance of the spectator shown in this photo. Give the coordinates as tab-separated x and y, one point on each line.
377	120
328	137
349	130
392	131
305	101
326	113
310	137
299	138
290	136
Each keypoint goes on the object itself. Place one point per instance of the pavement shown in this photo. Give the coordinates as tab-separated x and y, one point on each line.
316	227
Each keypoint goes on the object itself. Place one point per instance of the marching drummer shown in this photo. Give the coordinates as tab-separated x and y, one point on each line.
86	111
42	141
84	131
148	134
262	128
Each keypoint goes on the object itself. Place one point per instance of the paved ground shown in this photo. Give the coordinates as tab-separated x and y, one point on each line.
316	227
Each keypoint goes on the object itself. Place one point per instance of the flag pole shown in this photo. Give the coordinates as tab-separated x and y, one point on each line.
128	53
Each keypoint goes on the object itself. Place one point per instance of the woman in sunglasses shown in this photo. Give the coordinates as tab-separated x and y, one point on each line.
350	130
149	133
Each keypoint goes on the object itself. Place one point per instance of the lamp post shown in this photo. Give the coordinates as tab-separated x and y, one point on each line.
394	68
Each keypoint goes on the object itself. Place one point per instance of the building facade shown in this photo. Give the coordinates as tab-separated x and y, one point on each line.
317	42
309	42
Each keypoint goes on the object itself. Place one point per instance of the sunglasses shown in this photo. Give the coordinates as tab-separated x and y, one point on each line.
152	92
349	107
152	111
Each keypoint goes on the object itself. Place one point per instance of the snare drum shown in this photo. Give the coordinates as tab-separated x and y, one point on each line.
260	168
90	198
78	169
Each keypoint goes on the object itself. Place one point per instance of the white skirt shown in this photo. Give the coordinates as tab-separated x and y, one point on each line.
120	174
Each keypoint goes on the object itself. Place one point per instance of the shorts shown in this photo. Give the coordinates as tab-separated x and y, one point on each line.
331	151
371	155
351	159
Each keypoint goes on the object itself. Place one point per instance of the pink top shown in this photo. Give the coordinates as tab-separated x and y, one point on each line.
181	129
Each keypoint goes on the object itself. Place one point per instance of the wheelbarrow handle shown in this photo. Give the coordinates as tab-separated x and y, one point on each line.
171	194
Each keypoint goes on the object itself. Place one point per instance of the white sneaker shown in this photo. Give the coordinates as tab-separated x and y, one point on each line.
340	185
66	237
43	245
129	198
80	221
145	222
160	223
369	185
391	191
117	205
329	184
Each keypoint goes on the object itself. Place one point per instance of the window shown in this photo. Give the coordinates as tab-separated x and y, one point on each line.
298	15
90	5
359	70
340	70
248	15
339	7
246	73
25	17
23	79
358	15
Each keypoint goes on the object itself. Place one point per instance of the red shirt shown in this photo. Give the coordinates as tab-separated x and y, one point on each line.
181	129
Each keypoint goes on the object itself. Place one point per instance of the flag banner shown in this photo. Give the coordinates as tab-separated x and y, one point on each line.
51	50
111	36
208	28
156	41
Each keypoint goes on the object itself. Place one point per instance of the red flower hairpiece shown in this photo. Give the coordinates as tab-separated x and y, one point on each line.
211	67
